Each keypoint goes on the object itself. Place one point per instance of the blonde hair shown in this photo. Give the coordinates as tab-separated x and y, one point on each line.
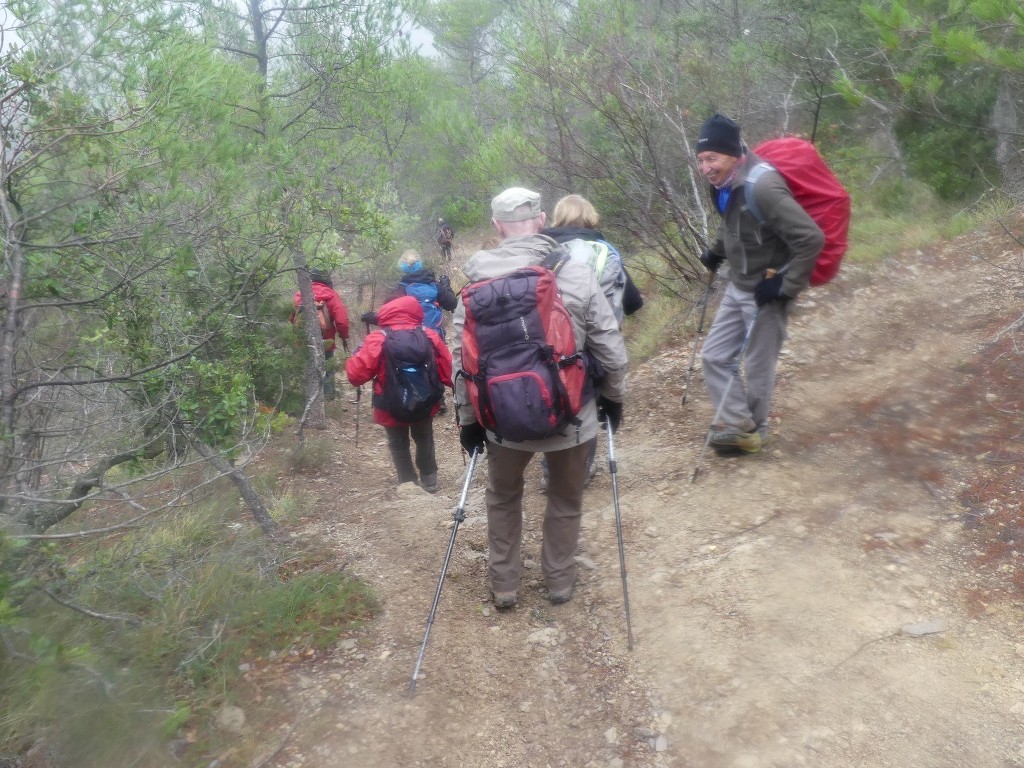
409	257
575	211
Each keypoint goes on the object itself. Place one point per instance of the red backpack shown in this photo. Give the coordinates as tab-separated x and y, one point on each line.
524	376
815	188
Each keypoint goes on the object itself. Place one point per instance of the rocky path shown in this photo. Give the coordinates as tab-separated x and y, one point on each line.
821	604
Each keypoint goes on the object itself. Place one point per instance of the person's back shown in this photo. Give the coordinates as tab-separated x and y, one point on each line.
444	236
575	225
518	219
333	321
432	293
325	295
370	362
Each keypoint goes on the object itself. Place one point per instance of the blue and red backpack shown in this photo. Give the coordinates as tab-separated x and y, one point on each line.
524	376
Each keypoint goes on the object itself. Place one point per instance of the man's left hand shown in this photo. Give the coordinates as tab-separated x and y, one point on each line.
770	289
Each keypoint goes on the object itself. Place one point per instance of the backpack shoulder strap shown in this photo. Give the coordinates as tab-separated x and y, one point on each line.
556	259
602	253
755	173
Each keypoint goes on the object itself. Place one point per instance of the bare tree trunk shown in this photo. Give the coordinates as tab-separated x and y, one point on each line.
313	414
14	258
1006	123
242	482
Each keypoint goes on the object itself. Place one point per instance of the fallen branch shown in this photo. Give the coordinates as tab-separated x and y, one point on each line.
135	621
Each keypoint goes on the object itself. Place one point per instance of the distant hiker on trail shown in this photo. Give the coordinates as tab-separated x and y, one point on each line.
432	293
444	236
507	369
574	224
410	366
768	267
333	321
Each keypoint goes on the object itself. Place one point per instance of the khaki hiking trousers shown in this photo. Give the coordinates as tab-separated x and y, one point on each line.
567	475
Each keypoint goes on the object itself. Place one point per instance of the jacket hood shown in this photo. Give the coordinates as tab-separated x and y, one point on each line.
512	253
321	291
565	234
403	311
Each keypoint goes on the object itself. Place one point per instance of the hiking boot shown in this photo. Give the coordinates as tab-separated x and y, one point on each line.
731	442
504	600
429	483
559	596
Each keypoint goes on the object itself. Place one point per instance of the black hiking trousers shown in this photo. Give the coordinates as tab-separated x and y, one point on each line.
422	433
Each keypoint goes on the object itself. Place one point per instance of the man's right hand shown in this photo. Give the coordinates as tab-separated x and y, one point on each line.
369	317
473	437
609	411
711	261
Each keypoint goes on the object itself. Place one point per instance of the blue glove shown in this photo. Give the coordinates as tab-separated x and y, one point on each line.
711	261
770	289
473	437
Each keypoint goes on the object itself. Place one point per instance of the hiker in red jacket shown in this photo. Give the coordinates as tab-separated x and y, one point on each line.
333	321
369	362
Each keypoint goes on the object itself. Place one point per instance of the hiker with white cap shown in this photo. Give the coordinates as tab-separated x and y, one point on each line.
528	286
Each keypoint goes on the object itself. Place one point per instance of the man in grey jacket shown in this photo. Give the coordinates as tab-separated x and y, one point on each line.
770	264
518	218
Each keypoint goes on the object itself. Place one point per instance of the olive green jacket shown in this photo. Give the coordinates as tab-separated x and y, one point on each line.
789	238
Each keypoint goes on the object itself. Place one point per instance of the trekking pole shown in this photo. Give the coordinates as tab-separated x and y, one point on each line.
696	339
459	516
359	400
725	395
359	390
613	469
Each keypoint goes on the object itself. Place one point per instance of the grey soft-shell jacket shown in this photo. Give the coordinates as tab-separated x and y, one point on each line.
789	236
594	323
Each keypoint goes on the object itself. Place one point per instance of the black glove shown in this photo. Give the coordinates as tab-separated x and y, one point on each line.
445	282
609	411
370	318
770	289
711	261
473	437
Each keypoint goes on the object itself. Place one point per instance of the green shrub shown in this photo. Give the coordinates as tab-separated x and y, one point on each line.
184	603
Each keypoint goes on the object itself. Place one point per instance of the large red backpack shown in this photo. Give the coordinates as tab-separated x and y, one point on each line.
524	376
815	188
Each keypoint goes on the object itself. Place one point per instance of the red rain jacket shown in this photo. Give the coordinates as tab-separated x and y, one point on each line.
335	308
367	362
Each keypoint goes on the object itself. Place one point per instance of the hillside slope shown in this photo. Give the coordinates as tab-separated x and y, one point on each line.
851	596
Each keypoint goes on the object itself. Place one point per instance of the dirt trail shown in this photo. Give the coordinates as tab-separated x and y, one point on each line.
820	604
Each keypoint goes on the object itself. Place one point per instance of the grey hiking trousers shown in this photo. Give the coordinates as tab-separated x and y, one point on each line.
561	532
749	399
